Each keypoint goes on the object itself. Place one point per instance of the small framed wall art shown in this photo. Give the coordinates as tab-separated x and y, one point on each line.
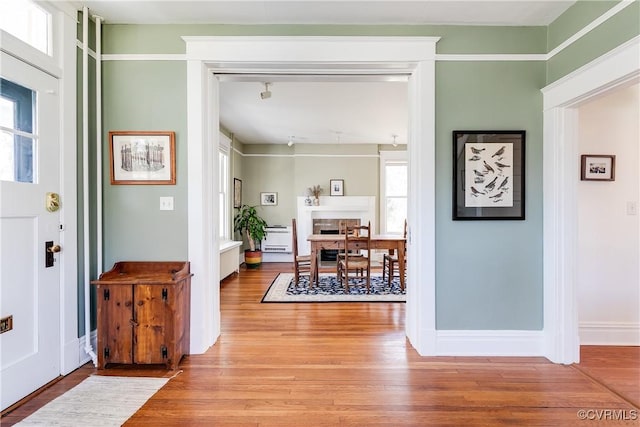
237	193
138	157
488	175
598	167
268	199
336	187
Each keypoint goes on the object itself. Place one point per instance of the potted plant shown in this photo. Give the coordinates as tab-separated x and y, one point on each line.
254	228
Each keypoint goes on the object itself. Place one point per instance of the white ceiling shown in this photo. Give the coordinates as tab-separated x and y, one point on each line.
322	110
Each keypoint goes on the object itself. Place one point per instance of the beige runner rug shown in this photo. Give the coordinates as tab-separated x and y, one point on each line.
97	401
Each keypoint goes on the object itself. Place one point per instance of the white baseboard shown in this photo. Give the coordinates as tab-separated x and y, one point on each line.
277	257
609	333
75	355
489	343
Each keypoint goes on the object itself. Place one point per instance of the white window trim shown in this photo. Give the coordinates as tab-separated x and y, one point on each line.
225	147
388	156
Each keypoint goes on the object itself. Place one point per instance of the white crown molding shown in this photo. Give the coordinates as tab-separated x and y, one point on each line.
491	57
144	57
372	156
595	23
489	343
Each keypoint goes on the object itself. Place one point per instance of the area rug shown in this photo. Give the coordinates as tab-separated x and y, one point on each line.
97	401
329	290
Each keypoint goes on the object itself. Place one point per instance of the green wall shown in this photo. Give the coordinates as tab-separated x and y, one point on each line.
620	28
289	171
489	273
500	286
144	95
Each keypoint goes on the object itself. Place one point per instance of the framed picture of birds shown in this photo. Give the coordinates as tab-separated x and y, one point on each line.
488	175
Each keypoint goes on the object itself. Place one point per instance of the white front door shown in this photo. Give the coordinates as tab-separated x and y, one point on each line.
29	169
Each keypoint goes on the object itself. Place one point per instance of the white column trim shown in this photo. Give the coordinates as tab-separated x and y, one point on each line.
619	67
324	55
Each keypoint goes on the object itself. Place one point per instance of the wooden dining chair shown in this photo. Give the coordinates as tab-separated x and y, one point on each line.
360	240
390	262
344	228
301	263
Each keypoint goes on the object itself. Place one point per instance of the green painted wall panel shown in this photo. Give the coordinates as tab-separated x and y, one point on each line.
489	273
620	28
144	96
574	19
130	39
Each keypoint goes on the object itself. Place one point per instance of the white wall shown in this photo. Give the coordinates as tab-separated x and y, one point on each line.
608	235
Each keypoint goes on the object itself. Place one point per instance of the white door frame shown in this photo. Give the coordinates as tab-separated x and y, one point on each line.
413	56
561	158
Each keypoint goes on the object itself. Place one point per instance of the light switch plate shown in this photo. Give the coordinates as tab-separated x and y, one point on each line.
166	203
632	208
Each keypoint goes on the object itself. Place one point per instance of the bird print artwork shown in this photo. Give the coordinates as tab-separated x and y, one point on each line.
500	152
487	167
490	184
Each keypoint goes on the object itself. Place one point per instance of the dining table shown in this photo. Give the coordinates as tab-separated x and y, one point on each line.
390	242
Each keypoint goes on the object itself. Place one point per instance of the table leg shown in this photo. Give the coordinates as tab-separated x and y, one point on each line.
401	264
313	276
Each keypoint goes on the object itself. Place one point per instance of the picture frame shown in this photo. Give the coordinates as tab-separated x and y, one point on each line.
336	187
597	167
488	175
142	157
237	192
268	199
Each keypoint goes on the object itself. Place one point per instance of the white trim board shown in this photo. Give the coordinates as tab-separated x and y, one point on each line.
438	57
490	343
617	68
306	155
411	56
609	333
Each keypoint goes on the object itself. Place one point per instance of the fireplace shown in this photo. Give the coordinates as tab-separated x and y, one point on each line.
332	226
329	214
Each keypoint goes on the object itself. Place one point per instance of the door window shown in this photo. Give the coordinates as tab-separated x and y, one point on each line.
17	138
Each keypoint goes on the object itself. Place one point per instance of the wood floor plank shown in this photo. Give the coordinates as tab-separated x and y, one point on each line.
349	364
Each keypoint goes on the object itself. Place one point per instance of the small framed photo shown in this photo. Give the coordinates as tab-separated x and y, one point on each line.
598	167
142	157
336	187
268	199
237	193
488	175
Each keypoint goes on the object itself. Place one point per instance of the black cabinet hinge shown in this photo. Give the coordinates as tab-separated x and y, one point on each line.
105	352
164	352
105	294
165	294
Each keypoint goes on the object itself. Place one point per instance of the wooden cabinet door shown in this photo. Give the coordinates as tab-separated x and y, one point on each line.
149	330
114	324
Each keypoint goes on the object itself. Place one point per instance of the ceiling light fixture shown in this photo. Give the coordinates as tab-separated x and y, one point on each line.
290	143
267	93
394	143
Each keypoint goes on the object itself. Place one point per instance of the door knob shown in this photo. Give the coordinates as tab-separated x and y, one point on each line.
54	249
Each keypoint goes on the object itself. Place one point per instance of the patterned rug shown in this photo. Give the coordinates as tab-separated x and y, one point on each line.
97	401
329	290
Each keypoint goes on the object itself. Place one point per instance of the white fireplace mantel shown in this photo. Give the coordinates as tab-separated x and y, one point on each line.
333	207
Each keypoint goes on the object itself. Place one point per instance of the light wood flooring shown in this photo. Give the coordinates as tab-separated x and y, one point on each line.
349	364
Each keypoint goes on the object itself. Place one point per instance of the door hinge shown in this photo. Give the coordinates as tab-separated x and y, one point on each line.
165	294
105	294
105	352
164	352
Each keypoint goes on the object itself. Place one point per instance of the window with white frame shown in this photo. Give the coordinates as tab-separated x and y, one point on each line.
393	191
223	188
28	22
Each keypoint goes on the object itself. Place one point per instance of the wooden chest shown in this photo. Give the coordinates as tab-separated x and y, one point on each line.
143	313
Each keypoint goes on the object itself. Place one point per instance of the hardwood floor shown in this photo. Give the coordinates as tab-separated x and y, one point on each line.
349	364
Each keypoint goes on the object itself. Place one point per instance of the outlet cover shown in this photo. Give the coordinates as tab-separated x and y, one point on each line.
166	203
